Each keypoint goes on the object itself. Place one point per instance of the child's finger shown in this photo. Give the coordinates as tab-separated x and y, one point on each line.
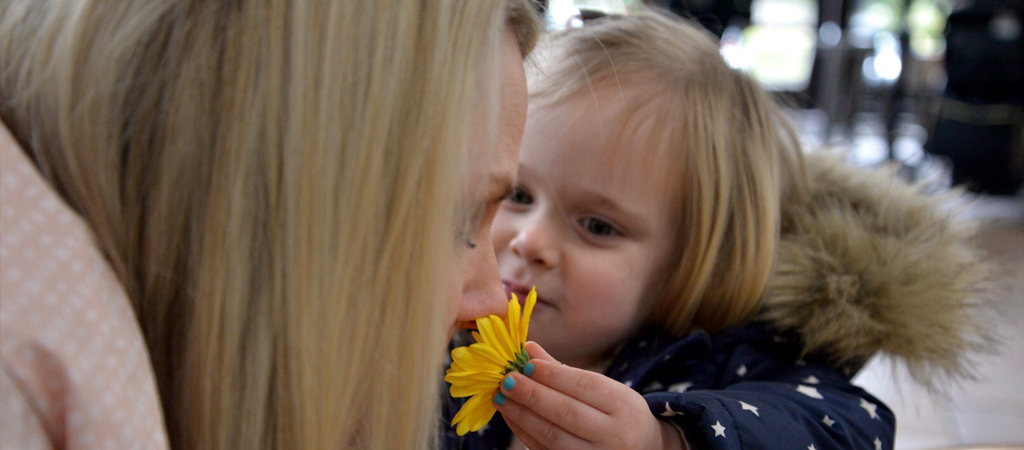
528	441
594	389
563	411
537	352
535	431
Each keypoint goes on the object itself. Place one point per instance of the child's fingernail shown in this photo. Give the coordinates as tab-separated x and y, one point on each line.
528	369
499	398
508	384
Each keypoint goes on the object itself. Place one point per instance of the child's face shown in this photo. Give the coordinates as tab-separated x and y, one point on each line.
591	224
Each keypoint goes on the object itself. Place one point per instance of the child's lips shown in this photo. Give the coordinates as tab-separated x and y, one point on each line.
521	292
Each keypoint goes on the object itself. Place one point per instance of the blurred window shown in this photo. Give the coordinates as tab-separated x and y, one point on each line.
925	21
778	47
563	13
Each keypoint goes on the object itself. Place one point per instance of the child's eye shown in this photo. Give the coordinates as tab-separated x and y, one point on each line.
598	227
520	196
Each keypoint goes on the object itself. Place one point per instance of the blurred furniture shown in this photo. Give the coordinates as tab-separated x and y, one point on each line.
980	126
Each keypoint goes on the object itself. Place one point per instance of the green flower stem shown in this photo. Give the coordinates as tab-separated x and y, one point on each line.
521	359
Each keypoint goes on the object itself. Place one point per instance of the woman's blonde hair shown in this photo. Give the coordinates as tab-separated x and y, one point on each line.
275	183
739	157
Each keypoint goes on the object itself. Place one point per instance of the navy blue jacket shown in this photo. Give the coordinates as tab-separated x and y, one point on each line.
743	389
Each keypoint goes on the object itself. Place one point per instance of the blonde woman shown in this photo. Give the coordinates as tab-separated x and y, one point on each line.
287	193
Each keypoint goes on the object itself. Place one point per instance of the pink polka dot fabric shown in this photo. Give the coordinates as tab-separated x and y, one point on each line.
74	373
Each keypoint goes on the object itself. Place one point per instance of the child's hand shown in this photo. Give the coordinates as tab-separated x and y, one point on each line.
561	407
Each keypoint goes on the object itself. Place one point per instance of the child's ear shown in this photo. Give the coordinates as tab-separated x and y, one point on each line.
536	352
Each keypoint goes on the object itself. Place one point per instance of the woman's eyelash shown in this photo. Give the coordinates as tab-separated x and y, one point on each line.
470	244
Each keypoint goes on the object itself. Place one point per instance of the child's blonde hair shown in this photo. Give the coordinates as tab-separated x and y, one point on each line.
739	157
275	182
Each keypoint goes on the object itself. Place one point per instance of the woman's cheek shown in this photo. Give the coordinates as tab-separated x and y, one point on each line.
454	297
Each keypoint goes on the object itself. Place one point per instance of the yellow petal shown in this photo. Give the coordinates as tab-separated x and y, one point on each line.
531	300
474	414
480	366
481	353
489	353
465	378
471	388
477	337
512	321
455	367
467	408
504	340
461	355
470	360
492	336
484	414
486	333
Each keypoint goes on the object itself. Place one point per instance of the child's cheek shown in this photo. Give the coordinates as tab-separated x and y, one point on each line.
613	292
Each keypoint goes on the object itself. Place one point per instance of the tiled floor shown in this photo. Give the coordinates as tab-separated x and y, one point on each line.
989	411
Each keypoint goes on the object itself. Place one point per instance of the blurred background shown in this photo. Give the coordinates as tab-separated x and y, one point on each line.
933	86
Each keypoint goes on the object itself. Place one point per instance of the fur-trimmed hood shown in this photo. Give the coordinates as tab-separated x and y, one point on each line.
868	264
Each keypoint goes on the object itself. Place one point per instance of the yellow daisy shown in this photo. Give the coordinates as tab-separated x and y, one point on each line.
477	370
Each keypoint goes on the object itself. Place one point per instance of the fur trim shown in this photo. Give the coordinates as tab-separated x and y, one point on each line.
870	264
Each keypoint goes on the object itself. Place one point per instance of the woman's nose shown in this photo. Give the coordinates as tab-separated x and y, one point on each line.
482	293
536	243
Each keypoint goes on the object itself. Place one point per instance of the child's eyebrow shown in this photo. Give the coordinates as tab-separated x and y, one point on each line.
621	211
601	201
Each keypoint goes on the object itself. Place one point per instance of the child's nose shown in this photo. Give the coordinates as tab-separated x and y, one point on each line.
536	243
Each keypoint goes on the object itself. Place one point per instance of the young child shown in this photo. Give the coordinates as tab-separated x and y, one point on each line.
696	289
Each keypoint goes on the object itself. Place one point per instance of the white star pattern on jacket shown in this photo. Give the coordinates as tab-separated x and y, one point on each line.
719	429
749	407
878	443
870	408
828	421
655	386
669	412
811	392
811	447
680	387
742	370
811	380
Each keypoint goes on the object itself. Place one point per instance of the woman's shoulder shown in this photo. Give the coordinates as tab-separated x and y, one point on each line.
75	370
